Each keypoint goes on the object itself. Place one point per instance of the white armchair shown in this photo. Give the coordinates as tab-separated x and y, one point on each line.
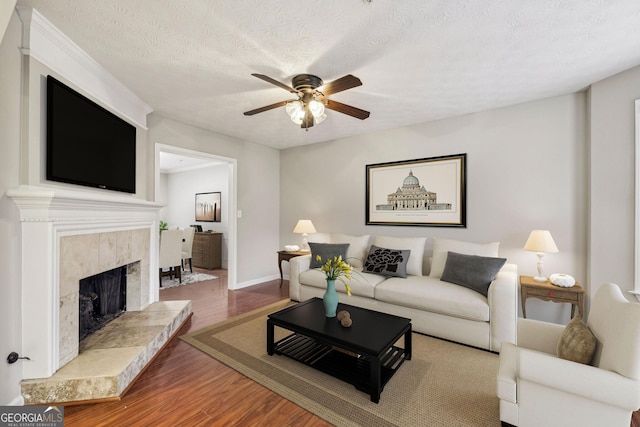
536	388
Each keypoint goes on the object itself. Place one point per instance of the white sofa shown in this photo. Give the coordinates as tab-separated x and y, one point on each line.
435	307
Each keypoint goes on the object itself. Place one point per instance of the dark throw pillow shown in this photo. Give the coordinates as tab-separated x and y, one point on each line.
577	343
327	251
387	262
471	271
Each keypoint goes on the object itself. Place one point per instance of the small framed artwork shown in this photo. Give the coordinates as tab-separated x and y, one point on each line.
208	207
427	192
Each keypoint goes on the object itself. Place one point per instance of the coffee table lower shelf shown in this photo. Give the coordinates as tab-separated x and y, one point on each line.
352	368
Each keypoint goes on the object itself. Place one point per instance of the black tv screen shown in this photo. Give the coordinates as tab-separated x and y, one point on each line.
86	144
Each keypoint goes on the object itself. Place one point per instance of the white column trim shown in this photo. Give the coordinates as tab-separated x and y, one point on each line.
636	281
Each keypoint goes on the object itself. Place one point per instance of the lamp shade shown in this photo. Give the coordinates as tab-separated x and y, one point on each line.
304	226
541	241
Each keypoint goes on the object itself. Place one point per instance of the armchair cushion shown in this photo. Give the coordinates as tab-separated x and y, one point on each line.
576	343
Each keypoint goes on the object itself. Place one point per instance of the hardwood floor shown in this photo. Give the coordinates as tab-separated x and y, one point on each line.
185	387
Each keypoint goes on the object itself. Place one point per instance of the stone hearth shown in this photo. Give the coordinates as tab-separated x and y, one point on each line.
70	235
111	358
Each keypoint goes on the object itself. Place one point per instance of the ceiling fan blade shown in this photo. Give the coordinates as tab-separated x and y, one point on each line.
266	108
346	109
343	83
275	82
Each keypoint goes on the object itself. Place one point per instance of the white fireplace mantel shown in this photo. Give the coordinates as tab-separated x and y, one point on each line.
42	204
49	215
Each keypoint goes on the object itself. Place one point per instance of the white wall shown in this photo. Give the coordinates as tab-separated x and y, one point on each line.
613	193
181	188
10	289
258	192
526	169
6	10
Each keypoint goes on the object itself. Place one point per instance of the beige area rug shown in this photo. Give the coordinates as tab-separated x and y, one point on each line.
444	384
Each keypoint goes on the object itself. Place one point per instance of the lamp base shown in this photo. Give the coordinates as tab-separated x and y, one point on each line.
540	279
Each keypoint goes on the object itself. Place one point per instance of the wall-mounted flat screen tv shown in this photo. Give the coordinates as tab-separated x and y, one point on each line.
86	144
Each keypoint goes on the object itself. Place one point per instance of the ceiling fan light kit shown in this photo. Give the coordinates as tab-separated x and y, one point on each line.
309	108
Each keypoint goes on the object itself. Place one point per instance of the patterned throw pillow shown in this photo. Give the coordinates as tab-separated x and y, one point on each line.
387	262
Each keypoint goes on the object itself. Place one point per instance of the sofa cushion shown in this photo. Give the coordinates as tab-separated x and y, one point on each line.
576	343
442	246
387	262
362	284
326	251
471	271
431	294
413	244
358	245
320	238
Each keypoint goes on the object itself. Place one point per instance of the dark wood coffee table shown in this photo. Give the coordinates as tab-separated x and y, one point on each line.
364	354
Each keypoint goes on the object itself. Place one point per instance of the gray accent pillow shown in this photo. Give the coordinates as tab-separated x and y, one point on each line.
327	251
471	271
387	262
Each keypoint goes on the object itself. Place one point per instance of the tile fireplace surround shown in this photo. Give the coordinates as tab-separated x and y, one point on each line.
67	236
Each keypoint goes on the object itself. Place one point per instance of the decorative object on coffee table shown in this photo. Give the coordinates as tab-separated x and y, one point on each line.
344	318
334	268
330	299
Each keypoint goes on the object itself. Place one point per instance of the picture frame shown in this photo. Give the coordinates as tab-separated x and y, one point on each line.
208	207
429	192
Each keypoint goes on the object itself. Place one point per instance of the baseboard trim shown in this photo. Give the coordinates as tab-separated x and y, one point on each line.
16	401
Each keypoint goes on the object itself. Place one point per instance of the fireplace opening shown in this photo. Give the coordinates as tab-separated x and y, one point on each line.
102	298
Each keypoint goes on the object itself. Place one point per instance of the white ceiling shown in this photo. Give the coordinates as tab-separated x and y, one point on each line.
419	60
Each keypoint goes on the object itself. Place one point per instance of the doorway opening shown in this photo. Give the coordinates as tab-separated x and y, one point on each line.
181	202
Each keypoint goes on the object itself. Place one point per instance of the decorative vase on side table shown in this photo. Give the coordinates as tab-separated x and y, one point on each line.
330	299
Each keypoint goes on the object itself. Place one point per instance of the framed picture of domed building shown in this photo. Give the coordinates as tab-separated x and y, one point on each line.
422	192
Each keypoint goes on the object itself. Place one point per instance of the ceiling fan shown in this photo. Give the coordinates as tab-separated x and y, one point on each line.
308	108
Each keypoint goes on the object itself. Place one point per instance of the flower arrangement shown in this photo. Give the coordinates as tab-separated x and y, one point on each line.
335	269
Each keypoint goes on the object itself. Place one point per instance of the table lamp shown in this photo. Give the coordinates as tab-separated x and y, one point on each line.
303	227
540	241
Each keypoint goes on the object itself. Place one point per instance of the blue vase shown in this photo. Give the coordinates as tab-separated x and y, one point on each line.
330	299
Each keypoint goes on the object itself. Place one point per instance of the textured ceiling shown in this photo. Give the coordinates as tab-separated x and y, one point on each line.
419	60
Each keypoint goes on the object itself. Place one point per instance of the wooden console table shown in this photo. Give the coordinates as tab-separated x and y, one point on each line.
207	250
547	291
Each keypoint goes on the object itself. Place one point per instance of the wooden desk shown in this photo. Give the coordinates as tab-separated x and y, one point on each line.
286	256
547	291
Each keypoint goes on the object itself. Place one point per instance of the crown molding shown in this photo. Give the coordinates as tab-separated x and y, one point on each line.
47	44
